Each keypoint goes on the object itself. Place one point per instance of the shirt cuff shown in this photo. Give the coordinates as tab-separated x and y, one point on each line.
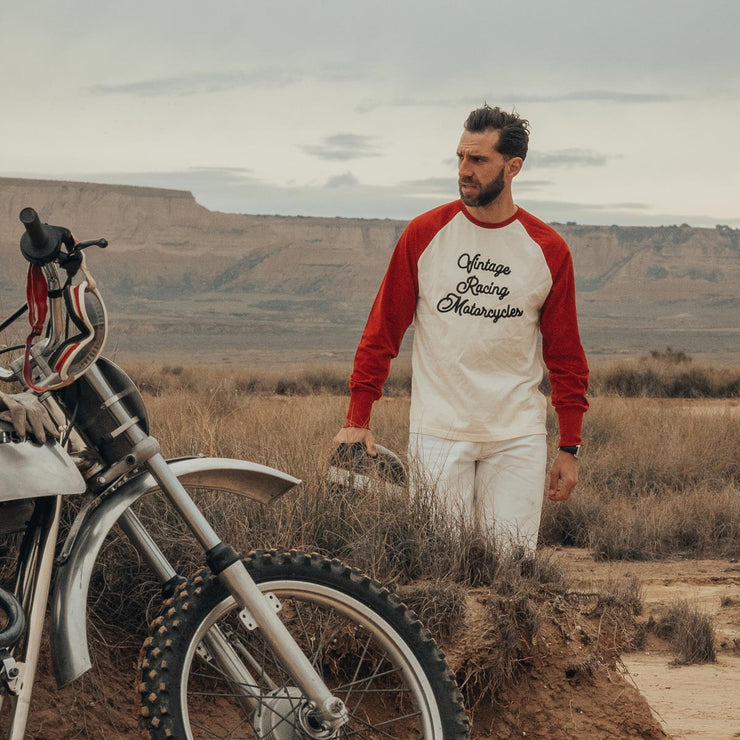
570	421
360	406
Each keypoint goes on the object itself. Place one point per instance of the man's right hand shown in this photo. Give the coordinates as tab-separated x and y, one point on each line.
352	435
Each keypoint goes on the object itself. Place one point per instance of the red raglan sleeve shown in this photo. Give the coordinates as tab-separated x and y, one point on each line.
561	346
391	315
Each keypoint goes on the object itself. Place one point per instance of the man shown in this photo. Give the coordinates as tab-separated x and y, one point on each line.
481	278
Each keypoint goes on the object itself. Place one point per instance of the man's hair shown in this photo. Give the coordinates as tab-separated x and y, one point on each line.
513	130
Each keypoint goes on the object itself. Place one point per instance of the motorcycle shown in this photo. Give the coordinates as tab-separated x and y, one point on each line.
273	645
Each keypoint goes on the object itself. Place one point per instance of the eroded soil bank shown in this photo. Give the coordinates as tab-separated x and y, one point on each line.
576	687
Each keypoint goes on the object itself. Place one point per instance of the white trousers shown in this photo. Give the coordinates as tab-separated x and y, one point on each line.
497	486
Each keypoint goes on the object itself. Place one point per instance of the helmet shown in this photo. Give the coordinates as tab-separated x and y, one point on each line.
85	332
74	339
352	466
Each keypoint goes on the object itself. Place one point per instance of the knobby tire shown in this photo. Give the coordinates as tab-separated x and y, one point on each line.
368	647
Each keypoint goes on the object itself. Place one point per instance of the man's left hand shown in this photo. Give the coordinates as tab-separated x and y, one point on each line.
563	476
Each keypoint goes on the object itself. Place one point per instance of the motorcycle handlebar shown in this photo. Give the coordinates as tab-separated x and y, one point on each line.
41	243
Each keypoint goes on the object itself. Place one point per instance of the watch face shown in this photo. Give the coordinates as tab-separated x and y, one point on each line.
574	450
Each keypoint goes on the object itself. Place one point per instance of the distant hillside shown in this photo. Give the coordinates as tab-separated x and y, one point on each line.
178	276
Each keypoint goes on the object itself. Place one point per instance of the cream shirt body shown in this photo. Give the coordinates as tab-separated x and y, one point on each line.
476	358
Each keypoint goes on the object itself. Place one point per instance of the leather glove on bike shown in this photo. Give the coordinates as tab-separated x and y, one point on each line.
27	415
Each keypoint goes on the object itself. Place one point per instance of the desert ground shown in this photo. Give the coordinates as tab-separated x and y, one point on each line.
692	702
574	689
696	702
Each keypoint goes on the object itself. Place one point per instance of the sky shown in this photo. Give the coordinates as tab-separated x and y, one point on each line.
329	108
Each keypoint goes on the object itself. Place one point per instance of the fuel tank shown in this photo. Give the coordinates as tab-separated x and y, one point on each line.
29	470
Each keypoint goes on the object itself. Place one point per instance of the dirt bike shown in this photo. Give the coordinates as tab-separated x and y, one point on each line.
275	645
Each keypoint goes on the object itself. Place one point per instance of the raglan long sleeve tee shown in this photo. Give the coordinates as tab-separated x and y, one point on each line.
479	296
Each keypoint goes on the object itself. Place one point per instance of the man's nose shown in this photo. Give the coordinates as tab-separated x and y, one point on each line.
463	167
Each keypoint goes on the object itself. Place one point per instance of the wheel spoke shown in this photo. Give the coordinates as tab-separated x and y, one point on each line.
349	628
317	649
360	662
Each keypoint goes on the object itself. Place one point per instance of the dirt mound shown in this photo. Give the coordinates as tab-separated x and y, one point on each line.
569	693
557	674
568	683
102	704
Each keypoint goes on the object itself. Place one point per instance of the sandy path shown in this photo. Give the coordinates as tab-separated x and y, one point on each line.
700	702
692	702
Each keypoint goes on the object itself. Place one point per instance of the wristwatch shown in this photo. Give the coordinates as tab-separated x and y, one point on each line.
574	450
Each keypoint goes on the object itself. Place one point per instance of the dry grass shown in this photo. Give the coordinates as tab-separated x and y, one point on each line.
666	374
659	478
397	538
689	632
301	380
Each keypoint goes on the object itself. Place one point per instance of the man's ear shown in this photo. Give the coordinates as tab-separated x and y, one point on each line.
514	166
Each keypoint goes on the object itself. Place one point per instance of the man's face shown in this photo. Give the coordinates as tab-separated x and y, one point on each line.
481	169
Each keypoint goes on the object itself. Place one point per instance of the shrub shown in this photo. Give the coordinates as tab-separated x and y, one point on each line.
665	375
689	632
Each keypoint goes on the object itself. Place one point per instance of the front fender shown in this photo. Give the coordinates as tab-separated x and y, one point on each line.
69	646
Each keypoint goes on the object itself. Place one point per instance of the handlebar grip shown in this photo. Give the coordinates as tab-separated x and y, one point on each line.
41	243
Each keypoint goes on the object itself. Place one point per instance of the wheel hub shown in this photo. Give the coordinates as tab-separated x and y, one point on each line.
287	715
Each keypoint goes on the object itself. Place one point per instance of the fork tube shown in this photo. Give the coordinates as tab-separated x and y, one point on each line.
217	644
243	683
243	588
156	464
145	546
35	616
181	500
330	709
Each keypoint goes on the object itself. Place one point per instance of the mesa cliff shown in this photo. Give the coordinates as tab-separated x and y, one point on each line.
176	272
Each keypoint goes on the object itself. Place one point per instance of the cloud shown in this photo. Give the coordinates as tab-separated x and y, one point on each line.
590	207
523	184
602	96
343	147
225	171
341	75
194	84
432	185
601	214
567	158
346	179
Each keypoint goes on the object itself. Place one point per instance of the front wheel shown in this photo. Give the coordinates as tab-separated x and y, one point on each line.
206	672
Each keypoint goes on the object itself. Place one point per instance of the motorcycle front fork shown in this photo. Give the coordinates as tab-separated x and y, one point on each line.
223	561
226	564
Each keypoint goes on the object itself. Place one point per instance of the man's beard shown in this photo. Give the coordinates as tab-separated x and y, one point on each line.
486	194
